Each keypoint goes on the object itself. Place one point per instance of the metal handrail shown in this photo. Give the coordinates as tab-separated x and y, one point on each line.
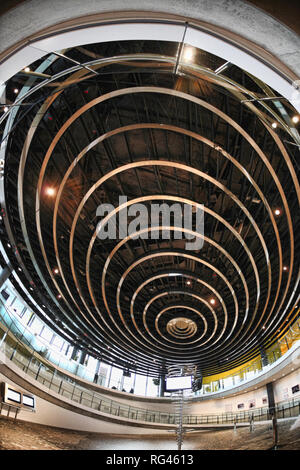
95	400
39	368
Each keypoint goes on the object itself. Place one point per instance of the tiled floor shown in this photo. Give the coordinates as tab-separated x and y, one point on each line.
26	436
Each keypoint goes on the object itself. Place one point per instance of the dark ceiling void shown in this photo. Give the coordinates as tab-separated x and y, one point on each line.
127	126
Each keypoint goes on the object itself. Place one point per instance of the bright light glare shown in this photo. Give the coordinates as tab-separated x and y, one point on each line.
50	191
188	54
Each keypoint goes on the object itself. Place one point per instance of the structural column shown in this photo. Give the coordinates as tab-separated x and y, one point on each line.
264	357
271	399
5	273
162	387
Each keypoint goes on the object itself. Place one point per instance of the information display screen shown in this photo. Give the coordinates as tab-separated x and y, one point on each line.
178	383
28	401
13	395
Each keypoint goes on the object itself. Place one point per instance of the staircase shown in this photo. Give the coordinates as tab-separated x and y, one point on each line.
181	405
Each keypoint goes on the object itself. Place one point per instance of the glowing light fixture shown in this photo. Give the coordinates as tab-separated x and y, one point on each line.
50	191
188	54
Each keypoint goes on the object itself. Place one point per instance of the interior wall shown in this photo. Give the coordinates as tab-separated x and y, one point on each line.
52	415
283	387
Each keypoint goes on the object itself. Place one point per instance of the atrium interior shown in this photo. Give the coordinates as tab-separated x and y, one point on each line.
149	198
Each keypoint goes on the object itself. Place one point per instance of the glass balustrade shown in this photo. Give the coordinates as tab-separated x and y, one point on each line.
113	377
51	379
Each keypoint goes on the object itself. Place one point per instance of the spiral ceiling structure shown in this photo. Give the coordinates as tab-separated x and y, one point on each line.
152	122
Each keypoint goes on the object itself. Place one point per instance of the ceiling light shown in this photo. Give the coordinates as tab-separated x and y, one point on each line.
295	119
16	90
277	212
50	191
188	283
212	301
285	268
56	271
274	125
188	53
5	109
27	69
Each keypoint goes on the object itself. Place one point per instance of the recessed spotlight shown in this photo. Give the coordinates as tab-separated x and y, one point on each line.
56	271
9	245
16	90
188	283
59	296
5	109
277	212
295	119
274	125
285	268
212	301
27	69
50	191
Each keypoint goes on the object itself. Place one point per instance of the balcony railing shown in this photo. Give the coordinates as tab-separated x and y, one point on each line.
40	370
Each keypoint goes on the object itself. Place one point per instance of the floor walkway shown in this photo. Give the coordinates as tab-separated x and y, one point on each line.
20	435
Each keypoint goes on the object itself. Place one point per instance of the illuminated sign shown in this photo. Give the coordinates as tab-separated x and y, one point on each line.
28	400
11	396
178	383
